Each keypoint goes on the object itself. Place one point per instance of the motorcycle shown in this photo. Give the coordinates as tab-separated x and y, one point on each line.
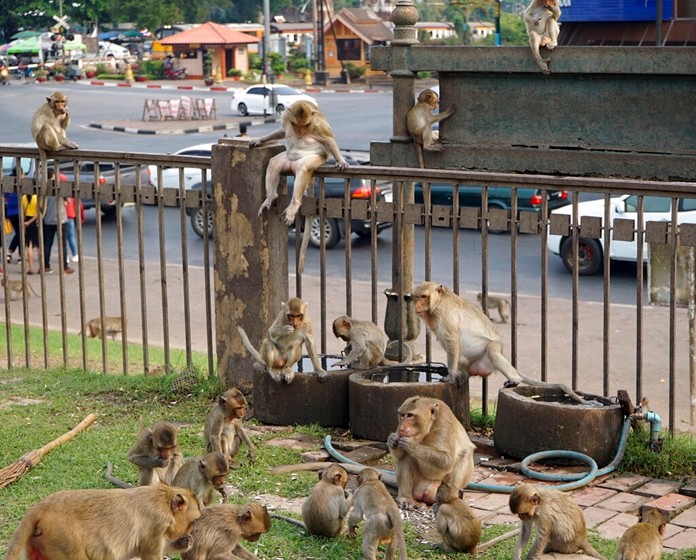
172	72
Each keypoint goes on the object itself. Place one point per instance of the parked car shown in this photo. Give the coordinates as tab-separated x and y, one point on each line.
591	251
192	175
334	229
528	198
256	100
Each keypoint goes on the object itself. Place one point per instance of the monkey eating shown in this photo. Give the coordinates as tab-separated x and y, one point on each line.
282	348
420	120
204	476
541	20
383	524
217	533
472	343
456	522
157	454
560	526
643	541
112	326
18	287
496	302
116	524
366	343
326	508
430	445
310	141
224	431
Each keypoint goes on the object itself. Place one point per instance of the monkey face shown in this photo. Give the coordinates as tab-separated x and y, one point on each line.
295	321
219	480
165	452
253	538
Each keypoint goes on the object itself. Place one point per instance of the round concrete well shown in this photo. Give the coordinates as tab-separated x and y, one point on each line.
304	401
533	419
375	396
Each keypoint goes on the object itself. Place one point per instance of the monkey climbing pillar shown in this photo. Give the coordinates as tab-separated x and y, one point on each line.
250	252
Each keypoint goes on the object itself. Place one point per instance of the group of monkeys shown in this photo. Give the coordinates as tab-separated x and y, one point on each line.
175	508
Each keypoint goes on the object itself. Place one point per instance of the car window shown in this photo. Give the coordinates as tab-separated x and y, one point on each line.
256	91
650	204
688	204
8	164
285	90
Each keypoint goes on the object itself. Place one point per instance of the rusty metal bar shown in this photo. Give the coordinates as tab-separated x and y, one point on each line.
374	276
100	268
347	215
484	280
514	257
80	262
606	318
164	284
544	341
672	312
640	239
121	268
186	285
139	201
206	276
575	314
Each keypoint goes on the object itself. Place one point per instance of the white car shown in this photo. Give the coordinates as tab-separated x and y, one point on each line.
256	100
591	251
192	175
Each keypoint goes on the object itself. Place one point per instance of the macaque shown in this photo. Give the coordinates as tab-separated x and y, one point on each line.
496	302
456	522
366	343
283	347
420	120
224	431
430	445
383	524
310	141
326	508
560	526
48	126
156	453
204	476
643	541
217	533
18	287
541	19
112	326
116	524
472	343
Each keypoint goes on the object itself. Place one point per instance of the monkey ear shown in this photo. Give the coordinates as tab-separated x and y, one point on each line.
536	499
244	516
178	503
48	99
201	466
346	324
320	473
337	479
435	411
461	493
441	289
222	401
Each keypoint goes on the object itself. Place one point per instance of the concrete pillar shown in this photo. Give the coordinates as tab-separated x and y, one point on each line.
250	255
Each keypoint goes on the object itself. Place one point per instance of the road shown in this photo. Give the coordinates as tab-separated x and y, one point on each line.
94	104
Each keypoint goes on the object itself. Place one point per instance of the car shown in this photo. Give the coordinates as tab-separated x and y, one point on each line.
334	229
591	250
256	100
192	175
528	198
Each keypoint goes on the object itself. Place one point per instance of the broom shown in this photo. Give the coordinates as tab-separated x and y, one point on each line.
28	461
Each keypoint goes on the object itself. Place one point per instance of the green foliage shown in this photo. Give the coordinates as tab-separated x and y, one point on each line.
424	75
208	63
232	72
255	62
297	61
512	31
354	72
277	63
154	68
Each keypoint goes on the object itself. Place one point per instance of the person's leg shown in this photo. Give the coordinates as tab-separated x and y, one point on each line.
49	231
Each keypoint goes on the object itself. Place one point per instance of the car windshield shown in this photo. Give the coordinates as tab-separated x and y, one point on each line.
8	164
285	90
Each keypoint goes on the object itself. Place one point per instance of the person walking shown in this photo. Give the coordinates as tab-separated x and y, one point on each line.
12	214
71	213
31	228
55	217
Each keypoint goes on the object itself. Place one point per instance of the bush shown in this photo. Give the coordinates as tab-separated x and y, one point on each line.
255	62
277	64
232	72
154	68
354	72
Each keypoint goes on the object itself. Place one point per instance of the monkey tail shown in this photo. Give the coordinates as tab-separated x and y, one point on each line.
290	520
305	243
404	362
20	545
32	290
394	516
245	339
117	481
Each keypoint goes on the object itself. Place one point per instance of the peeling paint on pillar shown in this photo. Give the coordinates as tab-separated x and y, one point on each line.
249	287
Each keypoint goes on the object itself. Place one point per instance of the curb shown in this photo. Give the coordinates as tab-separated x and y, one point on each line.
309	89
195	130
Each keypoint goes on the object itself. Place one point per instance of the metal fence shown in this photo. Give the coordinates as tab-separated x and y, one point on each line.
137	264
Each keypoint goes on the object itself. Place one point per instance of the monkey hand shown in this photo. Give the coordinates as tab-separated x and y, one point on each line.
286	329
352	531
341	164
250	456
321	374
161	462
255	142
223	493
182	544
393	441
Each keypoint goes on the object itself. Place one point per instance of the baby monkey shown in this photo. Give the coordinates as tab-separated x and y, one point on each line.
496	302
643	541
18	287
325	510
560	526
456	522
112	326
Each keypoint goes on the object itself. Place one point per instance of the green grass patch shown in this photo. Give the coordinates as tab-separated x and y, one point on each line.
37	406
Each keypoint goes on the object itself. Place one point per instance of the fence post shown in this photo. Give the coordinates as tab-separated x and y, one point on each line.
250	255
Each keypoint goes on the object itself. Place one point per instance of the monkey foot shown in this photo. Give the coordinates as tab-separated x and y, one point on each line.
436	147
511	383
265	205
322	375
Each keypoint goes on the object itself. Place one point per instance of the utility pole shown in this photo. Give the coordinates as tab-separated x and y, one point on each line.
496	14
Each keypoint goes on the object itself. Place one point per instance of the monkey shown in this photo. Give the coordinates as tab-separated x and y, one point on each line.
326	508
420	120
430	445
455	520
541	20
48	126
366	343
498	302
560	526
310	141
217	533
204	476
283	347
112	326
643	541
117	524
157	454
472	343
18	287
224	431
383	524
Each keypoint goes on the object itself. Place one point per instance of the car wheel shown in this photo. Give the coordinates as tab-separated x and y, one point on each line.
198	223
331	233
108	211
242	109
589	255
280	108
